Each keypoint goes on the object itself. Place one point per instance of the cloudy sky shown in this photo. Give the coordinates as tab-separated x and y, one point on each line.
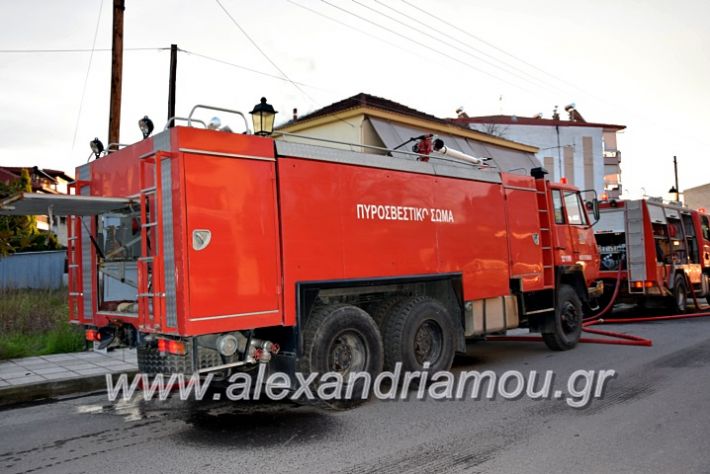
641	63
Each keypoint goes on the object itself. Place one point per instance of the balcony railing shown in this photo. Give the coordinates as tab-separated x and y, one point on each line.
612	157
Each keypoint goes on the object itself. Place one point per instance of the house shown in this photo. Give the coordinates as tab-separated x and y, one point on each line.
698	197
584	153
378	124
45	181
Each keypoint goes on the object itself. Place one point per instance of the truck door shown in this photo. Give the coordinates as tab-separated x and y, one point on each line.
563	239
575	241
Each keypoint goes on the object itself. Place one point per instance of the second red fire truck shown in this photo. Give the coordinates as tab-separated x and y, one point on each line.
663	250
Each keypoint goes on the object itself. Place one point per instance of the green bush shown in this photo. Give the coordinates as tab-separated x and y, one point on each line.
35	322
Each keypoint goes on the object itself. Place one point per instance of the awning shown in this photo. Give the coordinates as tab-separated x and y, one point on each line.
34	204
502	158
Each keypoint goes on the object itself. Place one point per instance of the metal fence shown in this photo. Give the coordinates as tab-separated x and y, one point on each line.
38	270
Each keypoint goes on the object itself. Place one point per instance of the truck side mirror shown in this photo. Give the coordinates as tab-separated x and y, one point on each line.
592	205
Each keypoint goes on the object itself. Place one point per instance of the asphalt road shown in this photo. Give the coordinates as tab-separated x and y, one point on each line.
654	417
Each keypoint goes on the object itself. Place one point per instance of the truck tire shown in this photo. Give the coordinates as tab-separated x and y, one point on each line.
679	301
567	321
341	338
420	329
384	309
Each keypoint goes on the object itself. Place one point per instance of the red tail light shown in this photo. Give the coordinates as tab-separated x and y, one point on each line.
176	347
171	346
93	335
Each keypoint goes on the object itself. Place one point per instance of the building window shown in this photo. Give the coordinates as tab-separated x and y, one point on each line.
588	154
549	163
569	163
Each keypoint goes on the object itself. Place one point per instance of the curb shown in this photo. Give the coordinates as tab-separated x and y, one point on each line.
53	388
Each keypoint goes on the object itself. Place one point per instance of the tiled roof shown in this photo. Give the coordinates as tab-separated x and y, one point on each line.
367	100
516	120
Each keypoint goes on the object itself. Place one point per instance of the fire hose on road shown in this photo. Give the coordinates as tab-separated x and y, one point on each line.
617	338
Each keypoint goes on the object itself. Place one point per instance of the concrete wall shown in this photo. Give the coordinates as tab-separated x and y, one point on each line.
698	197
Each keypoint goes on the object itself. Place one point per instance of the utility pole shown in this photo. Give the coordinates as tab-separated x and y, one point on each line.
172	81
675	170
114	120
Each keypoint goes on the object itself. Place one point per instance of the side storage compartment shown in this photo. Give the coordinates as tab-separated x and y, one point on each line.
232	243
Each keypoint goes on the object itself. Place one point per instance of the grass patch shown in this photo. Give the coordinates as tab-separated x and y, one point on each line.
35	322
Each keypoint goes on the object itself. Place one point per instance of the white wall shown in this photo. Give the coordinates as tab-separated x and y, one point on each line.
545	138
348	130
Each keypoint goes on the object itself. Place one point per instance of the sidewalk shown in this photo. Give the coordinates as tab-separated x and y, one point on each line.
33	378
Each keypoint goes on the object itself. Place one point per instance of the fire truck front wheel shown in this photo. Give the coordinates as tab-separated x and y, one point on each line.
419	330
344	339
679	300
567	323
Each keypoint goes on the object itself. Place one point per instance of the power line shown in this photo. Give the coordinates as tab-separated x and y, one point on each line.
266	56
422	32
86	77
451	37
632	112
423	45
342	23
243	68
76	50
491	45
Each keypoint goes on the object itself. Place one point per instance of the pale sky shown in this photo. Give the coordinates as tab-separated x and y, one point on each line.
644	64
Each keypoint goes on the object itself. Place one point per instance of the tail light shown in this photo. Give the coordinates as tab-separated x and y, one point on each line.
176	347
92	335
171	346
642	284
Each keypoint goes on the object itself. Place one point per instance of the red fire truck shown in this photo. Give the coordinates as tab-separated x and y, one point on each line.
211	251
662	248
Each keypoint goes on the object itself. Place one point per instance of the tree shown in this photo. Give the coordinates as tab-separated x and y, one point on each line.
20	233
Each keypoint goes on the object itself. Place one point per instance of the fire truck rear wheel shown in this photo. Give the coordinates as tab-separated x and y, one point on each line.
419	330
383	310
679	302
342	338
567	323
706	287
